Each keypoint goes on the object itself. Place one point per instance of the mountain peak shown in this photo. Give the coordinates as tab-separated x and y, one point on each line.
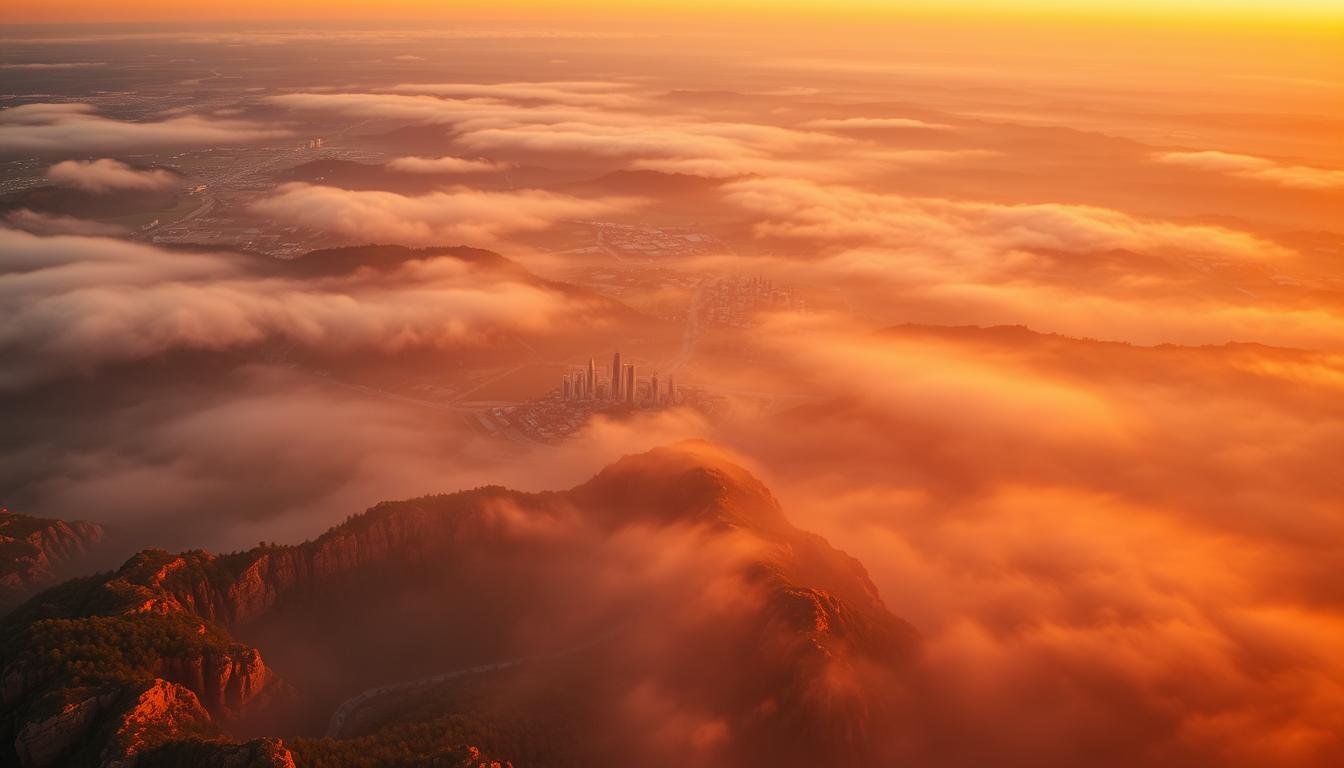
691	481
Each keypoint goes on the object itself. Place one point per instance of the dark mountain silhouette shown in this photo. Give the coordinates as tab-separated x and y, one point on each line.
645	184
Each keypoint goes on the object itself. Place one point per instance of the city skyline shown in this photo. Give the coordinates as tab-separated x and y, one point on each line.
621	386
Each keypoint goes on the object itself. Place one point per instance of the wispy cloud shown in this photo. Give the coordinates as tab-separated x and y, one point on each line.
445	165
1257	169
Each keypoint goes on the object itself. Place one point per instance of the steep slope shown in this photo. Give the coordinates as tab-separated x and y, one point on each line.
709	595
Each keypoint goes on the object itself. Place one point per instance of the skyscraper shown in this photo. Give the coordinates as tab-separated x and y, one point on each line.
565	388
671	389
629	389
616	373
653	391
591	388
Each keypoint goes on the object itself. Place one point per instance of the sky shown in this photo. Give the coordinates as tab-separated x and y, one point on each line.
1306	13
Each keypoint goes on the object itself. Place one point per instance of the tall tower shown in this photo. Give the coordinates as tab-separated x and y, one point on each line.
616	373
630	383
653	391
671	389
592	378
564	388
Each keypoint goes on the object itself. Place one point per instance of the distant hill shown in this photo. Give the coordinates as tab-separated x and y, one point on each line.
329	168
349	174
330	262
37	552
645	183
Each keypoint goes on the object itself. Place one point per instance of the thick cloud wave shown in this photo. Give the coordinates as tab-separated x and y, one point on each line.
456	216
75	303
107	175
67	128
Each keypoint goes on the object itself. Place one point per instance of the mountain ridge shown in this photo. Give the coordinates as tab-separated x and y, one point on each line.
170	618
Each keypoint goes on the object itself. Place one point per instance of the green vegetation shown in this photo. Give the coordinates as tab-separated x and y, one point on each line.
436	743
112	650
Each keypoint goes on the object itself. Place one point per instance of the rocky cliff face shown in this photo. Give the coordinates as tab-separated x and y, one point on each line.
37	552
235	589
160	707
227	683
155	664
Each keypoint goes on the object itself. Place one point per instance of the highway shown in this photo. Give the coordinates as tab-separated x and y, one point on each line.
690	334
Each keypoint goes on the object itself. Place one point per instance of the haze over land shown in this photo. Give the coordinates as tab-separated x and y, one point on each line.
1037	314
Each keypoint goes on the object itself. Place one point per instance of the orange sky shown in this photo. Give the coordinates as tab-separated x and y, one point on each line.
1306	13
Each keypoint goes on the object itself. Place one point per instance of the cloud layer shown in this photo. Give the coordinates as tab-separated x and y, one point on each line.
1057	517
79	302
1120	552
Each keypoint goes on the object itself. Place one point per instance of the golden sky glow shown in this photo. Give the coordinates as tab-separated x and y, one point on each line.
1287	12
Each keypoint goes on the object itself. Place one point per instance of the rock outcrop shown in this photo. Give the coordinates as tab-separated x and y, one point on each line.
160	708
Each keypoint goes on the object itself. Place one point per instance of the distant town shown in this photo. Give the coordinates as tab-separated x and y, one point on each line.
736	300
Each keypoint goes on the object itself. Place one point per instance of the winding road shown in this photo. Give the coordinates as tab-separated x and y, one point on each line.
352	704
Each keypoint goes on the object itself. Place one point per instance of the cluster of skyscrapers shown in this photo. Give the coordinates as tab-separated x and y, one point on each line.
622	386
